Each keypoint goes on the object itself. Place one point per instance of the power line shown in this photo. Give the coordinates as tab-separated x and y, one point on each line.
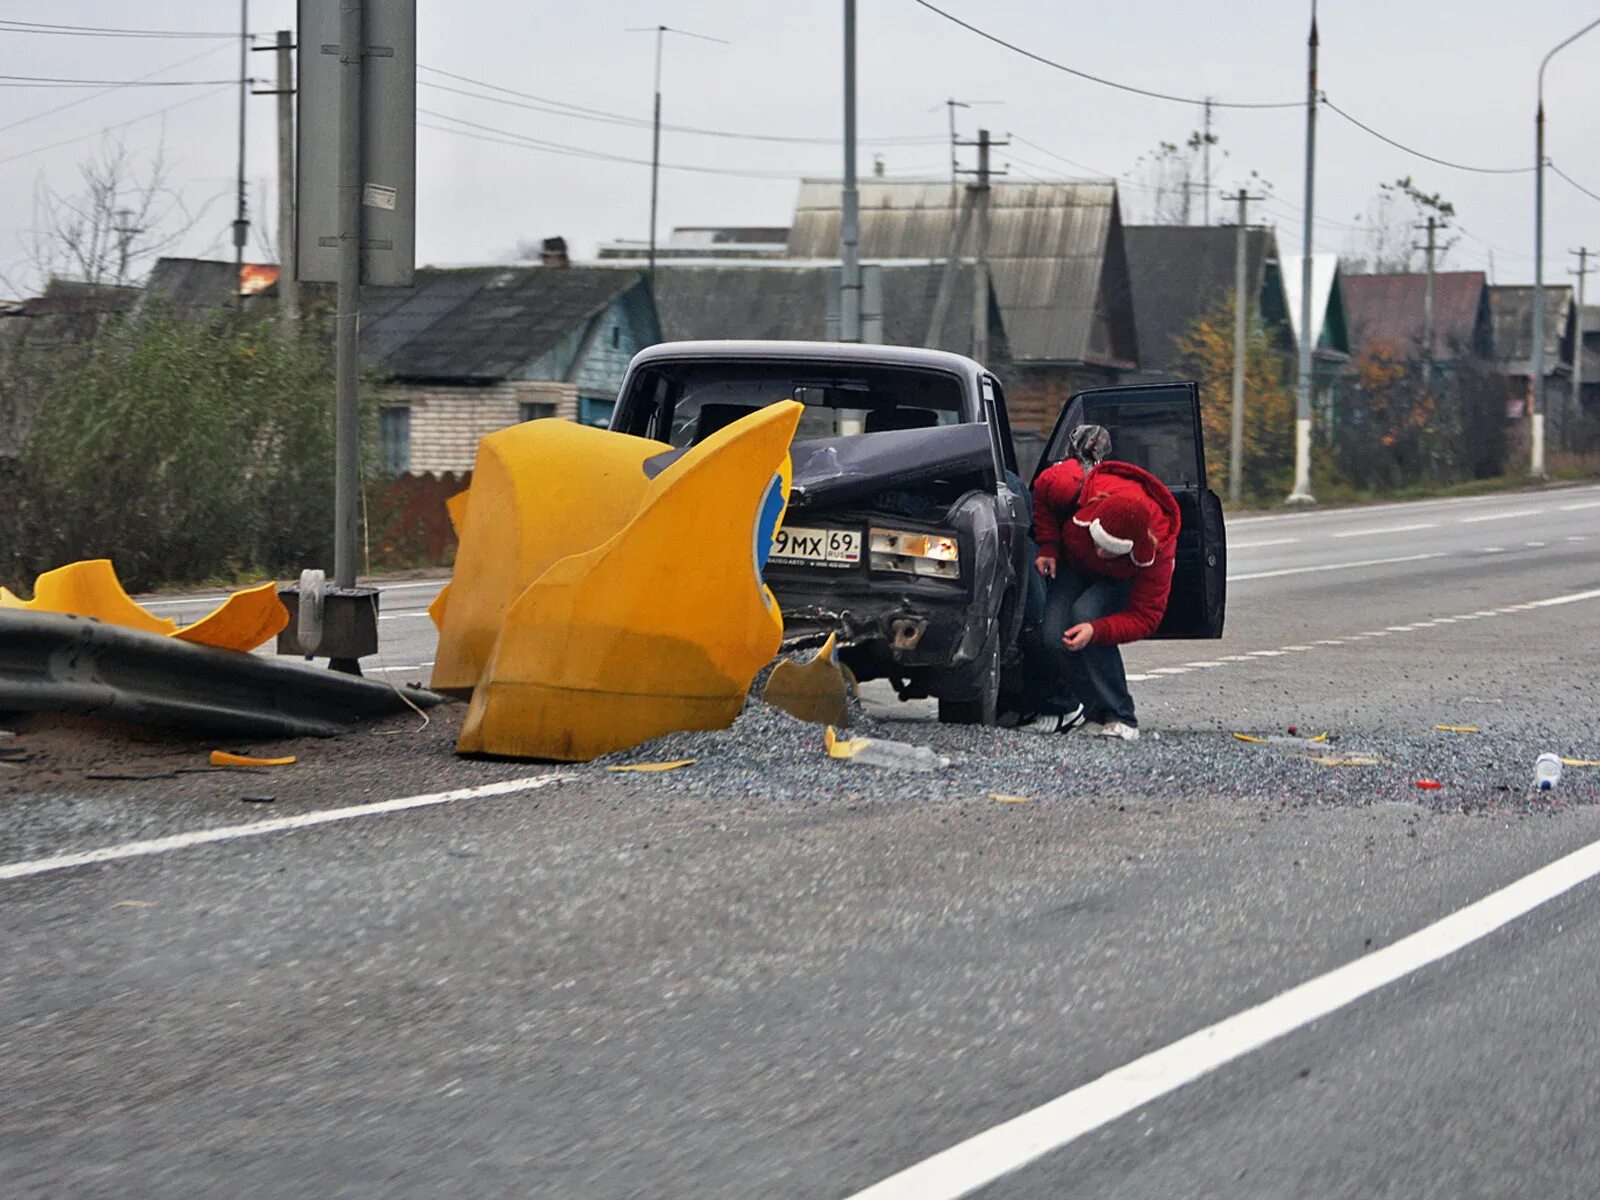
1443	162
51	27
182	62
1571	180
119	125
48	81
577	111
1111	83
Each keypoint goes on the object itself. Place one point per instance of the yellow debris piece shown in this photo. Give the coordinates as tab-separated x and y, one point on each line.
658	626
1001	798
91	589
839	747
816	691
541	491
242	622
221	758
1581	762
1343	760
660	766
1281	740
1458	729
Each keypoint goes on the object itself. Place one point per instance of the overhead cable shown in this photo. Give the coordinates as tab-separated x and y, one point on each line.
119	125
51	27
1111	83
182	62
48	81
1571	180
1443	162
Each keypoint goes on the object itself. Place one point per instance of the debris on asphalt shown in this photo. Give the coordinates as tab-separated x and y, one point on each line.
1458	729
258	799
1429	785
1580	762
880	752
1278	739
656	766
221	758
1546	771
1001	798
818	690
1343	760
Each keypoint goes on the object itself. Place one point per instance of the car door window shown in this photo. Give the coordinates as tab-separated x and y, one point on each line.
1155	427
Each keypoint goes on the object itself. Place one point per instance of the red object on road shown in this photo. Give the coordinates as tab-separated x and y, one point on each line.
1429	784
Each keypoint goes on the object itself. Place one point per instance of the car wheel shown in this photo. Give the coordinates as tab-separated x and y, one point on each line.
983	708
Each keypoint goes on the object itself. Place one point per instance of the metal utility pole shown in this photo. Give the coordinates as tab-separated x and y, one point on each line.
850	200
1583	253
1205	150
241	219
347	424
1536	384
126	231
655	129
288	265
1301	493
1241	331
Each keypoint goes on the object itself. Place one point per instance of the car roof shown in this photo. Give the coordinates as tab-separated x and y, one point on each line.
897	356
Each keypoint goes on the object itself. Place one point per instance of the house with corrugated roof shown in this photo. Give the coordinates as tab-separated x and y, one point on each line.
1511	308
1181	273
470	350
1056	260
1392	311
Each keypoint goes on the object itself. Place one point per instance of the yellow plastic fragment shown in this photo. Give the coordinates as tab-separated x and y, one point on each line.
91	589
660	766
1343	760
816	691
658	626
1581	762
221	758
1458	729
1001	798
1281	740
242	622
541	492
839	747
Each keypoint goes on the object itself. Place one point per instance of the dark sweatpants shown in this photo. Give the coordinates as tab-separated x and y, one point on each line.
1092	676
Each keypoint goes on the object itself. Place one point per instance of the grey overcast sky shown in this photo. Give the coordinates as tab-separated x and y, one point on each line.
1455	80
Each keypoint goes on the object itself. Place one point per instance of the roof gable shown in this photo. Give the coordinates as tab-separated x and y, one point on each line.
1391	309
1178	272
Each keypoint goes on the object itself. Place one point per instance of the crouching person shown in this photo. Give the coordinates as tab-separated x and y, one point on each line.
1107	534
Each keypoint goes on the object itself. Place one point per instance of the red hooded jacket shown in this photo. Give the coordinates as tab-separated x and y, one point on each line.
1059	491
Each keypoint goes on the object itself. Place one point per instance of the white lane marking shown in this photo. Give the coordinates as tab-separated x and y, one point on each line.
1266	654
1007	1147
1375	633
1400	628
1331	642
1137	678
1350	533
1364	510
403	667
1366	562
1203	665
1570	598
1169	670
1296	649
1577	537
1576	507
1258	545
1484	612
1235	658
1536	545
1494	549
228	833
218	599
1444	620
406	616
1502	516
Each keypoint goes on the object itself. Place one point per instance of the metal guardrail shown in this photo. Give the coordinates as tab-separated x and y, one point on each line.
55	663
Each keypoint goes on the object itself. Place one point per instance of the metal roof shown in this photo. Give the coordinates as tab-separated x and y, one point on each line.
509	319
1512	309
1179	272
1390	309
1055	253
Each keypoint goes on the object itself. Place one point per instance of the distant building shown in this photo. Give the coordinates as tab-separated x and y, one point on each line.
1056	259
1391	311
705	241
1512	310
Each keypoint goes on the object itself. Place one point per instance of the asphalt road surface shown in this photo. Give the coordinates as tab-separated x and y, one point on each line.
1190	967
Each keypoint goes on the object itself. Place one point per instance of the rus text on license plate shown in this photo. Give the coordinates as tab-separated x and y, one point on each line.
817	547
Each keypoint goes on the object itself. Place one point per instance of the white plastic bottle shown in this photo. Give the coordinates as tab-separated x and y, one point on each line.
1546	771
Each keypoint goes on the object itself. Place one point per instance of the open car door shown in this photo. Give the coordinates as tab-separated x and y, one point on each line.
1157	426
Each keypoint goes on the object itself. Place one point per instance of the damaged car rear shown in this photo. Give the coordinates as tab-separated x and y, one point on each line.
906	531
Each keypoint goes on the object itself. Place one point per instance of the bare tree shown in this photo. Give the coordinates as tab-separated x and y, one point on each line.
1384	240
123	215
1171	177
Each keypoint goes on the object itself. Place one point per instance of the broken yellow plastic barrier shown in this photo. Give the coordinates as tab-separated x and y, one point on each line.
816	691
221	758
839	747
91	589
659	628
660	766
1458	729
1002	798
541	491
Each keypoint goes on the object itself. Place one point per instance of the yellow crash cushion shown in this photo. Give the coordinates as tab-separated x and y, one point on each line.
662	627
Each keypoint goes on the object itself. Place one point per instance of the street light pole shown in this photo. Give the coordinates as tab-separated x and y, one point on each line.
1301	493
1536	384
850	200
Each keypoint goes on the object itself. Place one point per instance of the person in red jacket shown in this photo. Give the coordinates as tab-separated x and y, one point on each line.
1107	534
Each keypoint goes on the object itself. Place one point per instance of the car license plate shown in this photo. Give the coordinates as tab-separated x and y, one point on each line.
835	548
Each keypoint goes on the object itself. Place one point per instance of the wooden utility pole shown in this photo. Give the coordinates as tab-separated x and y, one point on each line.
1430	248
1583	253
978	198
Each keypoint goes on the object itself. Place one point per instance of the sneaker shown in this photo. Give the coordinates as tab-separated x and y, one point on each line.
1118	730
1067	722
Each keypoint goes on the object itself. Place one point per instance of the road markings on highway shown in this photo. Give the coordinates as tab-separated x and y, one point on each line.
1258	545
1577	507
1008	1147
1366	562
228	833
1502	516
1350	533
181	601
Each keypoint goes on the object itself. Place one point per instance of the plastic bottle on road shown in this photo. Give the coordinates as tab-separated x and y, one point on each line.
1547	771
897	756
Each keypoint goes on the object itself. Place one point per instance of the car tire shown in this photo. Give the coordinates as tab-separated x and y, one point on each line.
982	708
